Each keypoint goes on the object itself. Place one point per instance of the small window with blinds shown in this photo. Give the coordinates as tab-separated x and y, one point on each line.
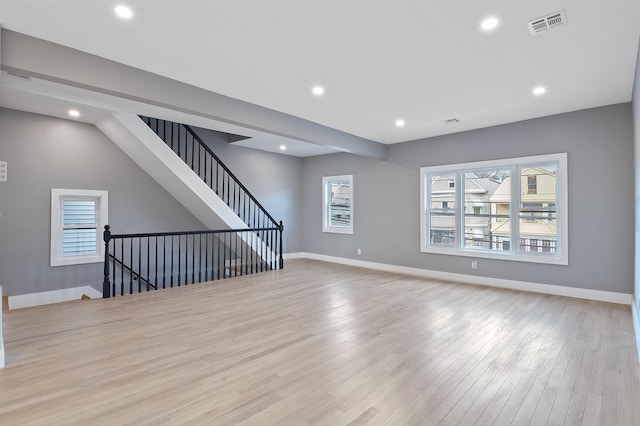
77	220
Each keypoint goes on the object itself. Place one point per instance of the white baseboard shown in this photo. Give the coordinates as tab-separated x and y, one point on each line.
54	296
636	326
580	293
298	255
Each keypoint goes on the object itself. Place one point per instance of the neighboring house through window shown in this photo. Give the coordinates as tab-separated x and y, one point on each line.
77	220
491	204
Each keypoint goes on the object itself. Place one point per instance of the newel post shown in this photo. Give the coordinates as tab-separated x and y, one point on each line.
106	285
281	259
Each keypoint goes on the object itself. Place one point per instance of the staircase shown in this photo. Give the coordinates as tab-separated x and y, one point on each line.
195	153
242	237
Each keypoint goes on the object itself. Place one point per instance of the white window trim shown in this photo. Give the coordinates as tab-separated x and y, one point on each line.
325	206
561	257
57	195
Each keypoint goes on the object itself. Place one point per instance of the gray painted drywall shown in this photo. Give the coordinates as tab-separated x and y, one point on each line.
52	62
44	153
599	143
635	99
274	179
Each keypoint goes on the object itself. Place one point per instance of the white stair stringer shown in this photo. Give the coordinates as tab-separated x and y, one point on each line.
153	155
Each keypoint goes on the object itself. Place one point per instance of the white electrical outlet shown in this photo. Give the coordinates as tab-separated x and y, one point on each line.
474	264
3	171
359	252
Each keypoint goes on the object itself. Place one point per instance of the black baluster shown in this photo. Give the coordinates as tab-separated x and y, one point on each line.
171	271
218	254
193	143
217	173
206	259
164	261
230	184
156	265
131	263
179	259
233	202
148	264
172	138
113	270
139	264
281	266
229	258
121	268
106	285
193	259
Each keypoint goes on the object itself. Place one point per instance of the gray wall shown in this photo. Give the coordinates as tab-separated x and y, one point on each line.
274	179
599	143
636	143
44	153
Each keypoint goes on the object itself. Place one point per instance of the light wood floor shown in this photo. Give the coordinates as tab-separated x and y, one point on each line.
319	343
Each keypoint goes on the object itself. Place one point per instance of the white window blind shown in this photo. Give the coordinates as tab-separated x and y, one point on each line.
79	227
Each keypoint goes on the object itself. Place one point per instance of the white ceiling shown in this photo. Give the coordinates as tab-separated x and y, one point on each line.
420	60
55	99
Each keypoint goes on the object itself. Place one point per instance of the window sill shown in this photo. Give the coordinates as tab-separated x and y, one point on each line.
80	260
332	230
541	258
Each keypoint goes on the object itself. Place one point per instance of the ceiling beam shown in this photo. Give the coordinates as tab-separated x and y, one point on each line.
36	58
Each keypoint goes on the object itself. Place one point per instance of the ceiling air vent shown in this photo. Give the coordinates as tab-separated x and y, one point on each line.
451	121
16	75
547	23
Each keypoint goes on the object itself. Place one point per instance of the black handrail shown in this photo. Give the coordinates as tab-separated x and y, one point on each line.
168	259
136	276
208	231
170	132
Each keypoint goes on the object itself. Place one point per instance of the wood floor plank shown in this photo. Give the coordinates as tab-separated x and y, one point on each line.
489	403
323	344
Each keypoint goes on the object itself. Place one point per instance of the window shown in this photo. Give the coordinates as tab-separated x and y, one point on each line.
337	201
77	220
532	184
493	203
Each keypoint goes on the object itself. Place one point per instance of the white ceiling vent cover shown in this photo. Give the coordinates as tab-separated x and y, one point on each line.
16	75
547	23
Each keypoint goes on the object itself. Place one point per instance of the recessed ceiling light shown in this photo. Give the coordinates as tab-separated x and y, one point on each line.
539	90
317	90
74	113
489	24
283	147
123	12
400	123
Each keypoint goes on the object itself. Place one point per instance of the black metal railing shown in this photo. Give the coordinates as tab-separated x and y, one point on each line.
202	160
134	275
135	263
